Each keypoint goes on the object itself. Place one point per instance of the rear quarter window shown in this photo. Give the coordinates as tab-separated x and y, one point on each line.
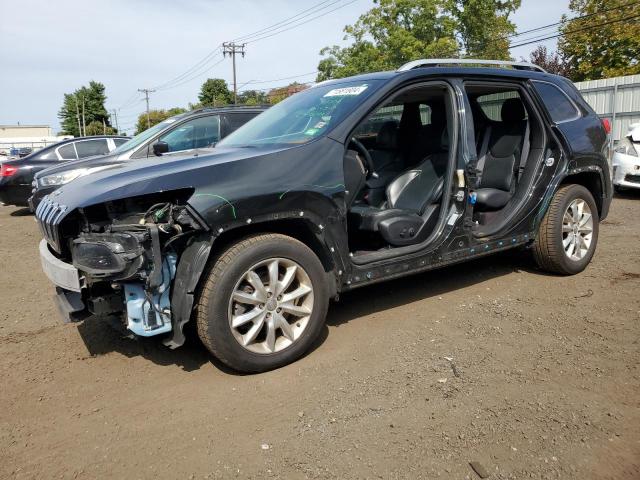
560	108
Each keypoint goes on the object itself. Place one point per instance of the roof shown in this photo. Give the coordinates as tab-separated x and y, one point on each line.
446	71
230	108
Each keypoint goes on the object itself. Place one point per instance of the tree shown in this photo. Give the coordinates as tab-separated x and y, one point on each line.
276	95
552	62
215	93
252	97
82	107
397	31
604	44
484	26
98	128
155	117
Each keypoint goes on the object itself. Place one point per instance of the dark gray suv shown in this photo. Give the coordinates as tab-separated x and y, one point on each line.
351	182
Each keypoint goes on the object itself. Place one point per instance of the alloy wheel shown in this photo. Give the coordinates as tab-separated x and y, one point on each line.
271	305
577	229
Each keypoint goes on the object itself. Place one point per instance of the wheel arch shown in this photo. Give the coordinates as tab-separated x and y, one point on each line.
198	257
592	181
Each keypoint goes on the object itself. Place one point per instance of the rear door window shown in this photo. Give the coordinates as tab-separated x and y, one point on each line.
558	104
491	104
90	148
67	152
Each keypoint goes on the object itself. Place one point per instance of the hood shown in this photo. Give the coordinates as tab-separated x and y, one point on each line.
89	162
150	175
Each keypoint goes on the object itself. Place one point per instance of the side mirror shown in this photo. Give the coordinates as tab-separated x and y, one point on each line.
160	147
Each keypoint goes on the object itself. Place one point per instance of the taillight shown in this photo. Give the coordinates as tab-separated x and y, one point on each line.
7	170
607	125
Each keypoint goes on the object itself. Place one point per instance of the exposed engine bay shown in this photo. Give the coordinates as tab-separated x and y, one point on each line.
127	252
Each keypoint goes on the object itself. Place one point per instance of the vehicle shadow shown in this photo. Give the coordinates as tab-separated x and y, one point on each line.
383	296
21	212
105	335
628	194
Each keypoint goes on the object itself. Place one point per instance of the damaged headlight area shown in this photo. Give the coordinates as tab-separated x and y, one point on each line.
126	253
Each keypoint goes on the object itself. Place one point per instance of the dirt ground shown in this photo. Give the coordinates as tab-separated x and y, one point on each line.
531	375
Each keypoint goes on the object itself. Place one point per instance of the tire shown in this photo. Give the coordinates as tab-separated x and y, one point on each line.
552	249
231	293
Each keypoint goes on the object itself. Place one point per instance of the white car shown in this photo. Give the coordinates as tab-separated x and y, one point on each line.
626	160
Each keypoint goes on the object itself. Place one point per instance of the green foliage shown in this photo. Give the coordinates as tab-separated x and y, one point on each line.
252	97
552	62
397	31
155	117
98	128
93	97
215	93
594	50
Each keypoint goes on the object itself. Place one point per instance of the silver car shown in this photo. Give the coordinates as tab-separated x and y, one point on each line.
626	160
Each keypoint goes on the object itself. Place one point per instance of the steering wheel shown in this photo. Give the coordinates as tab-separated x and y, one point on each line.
361	149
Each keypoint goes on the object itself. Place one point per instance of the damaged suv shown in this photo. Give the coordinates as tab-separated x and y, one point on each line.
351	182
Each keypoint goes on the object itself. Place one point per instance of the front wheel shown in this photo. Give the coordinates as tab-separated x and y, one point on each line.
263	304
568	233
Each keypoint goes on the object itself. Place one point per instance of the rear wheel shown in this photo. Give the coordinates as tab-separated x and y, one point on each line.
263	303
568	234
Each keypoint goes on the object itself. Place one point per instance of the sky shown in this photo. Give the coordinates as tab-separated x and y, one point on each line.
48	48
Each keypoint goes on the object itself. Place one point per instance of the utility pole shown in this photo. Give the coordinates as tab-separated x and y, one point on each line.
146	92
84	125
78	116
232	49
115	119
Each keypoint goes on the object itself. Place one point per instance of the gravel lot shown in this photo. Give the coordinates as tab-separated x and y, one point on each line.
530	375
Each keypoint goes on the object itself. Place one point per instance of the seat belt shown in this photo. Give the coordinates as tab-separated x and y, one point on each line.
526	145
483	153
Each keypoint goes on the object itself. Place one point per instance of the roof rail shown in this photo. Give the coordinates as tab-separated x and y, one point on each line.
434	62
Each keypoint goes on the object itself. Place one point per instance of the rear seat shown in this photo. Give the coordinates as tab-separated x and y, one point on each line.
499	157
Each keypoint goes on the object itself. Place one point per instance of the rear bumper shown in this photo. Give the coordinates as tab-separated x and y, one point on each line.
15	194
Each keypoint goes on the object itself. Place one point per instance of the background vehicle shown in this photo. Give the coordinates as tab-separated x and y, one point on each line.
17	175
351	182
626	160
174	136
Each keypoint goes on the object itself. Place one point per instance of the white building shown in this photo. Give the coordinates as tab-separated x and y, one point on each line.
31	136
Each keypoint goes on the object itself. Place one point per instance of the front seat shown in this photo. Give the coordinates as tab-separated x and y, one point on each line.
499	157
412	204
387	162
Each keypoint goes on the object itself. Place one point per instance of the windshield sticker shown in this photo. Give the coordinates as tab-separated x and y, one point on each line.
311	131
320	125
342	92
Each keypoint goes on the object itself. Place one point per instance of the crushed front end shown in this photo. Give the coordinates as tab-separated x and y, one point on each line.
118	258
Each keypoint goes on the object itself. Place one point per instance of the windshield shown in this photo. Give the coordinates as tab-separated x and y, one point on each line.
303	116
143	136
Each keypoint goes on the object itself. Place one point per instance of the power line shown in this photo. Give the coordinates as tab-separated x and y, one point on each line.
544	27
317	8
591	27
301	23
198	66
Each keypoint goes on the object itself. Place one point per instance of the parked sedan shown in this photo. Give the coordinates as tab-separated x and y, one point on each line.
16	176
626	160
177	135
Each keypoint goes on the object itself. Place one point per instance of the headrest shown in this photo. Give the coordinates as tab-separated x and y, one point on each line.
387	136
513	110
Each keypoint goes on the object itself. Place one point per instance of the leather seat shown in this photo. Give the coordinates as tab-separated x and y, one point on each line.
387	162
500	157
412	204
